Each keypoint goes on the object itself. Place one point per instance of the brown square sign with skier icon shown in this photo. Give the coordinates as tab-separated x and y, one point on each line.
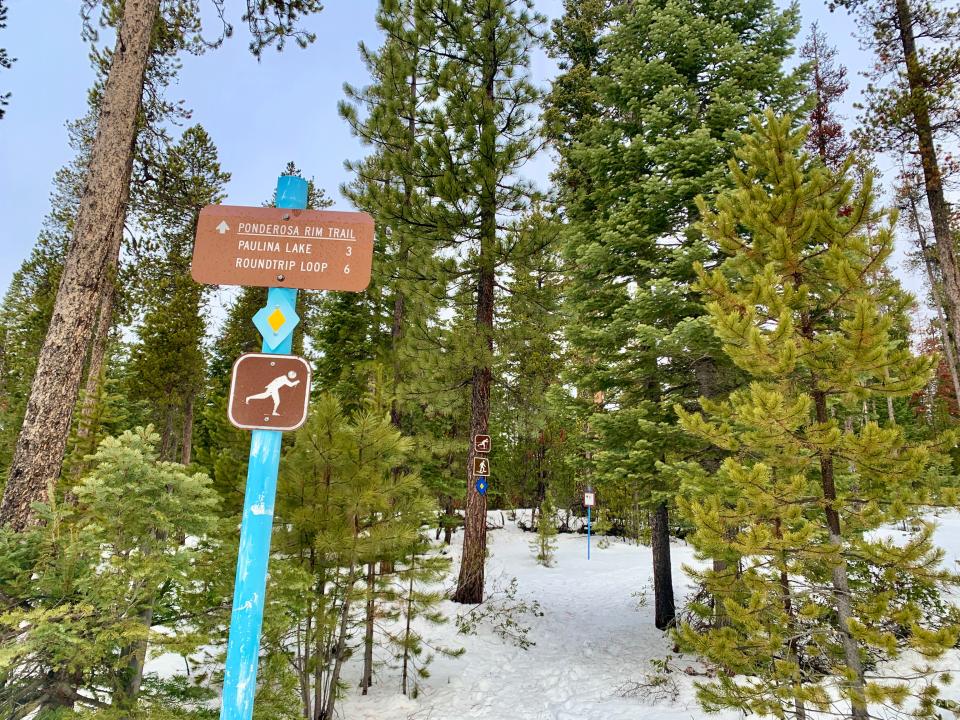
269	392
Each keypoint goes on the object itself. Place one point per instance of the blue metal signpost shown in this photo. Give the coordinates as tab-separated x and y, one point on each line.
588	532
276	323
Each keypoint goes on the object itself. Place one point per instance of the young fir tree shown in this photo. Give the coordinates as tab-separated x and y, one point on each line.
819	596
644	117
418	589
84	592
545	544
340	507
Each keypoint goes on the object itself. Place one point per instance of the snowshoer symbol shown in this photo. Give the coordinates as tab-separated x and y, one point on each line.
272	390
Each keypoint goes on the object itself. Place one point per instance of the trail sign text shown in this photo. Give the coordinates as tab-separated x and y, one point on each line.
277	247
589	499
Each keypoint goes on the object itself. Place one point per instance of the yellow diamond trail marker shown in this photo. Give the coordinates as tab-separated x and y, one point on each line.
276	319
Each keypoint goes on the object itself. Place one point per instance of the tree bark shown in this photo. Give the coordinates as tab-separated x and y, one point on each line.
938	304
793	655
186	447
41	445
98	351
470	583
340	652
841	585
665	612
366	677
932	176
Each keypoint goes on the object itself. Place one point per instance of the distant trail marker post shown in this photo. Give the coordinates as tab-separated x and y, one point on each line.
589	499
282	248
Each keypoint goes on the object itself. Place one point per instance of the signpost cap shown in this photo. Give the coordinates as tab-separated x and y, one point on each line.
291	192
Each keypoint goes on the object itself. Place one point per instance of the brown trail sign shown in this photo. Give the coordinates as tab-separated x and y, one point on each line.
481	466
269	392
275	247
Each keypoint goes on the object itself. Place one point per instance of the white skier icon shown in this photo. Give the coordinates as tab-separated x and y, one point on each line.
272	390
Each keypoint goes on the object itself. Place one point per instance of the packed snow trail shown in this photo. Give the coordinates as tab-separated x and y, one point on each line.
595	636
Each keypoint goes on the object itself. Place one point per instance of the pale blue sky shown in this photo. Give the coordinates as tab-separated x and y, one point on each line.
259	114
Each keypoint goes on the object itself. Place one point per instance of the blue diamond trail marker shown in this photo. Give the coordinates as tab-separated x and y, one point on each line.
313	249
481	485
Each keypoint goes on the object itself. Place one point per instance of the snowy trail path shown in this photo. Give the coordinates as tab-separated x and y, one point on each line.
591	639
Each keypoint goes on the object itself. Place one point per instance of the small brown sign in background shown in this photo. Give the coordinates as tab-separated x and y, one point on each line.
481	443
269	392
481	466
275	247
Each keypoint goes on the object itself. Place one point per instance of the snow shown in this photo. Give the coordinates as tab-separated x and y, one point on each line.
593	635
591	639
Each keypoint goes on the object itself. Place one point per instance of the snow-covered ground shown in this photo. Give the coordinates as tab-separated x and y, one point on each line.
593	633
595	636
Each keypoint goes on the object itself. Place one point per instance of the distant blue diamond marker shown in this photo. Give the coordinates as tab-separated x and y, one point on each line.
276	321
482	485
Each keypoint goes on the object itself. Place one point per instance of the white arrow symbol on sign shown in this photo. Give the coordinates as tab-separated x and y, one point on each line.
222	227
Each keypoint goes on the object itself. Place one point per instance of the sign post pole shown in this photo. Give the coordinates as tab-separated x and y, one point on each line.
589	498
588	532
246	621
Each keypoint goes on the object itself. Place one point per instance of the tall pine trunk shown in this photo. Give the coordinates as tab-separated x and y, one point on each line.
938	304
932	176
665	612
470	583
98	352
42	442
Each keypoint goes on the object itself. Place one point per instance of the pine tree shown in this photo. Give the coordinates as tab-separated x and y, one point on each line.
819	597
529	362
481	133
6	62
913	106
83	593
644	118
143	33
340	507
168	364
828	82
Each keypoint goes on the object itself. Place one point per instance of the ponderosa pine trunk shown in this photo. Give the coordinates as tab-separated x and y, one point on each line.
932	176
664	609
470	582
42	442
95	366
938	305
